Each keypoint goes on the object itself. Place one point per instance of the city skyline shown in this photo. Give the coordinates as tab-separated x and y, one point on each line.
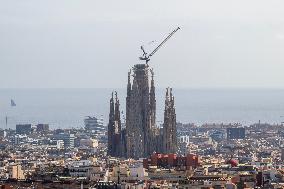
82	105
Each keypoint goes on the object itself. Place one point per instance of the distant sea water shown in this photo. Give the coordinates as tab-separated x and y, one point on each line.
67	108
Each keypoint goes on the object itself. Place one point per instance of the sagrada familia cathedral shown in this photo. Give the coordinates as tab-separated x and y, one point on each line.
141	137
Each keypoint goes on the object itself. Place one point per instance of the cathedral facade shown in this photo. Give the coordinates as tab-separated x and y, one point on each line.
141	136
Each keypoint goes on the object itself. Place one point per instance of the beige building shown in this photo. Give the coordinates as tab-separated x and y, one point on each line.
16	172
93	143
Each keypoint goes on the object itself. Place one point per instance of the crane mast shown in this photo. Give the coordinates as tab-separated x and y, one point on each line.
147	57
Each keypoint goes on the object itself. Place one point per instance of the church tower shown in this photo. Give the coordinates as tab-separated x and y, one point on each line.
169	127
114	128
111	127
140	112
141	137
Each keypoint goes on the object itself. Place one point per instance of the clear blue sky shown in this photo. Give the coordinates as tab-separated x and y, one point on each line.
93	43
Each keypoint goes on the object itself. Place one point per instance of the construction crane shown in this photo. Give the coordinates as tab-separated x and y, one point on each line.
146	57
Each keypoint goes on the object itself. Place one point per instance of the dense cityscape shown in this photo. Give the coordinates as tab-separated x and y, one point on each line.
130	94
138	153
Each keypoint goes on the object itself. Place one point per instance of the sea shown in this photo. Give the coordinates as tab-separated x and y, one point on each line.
67	108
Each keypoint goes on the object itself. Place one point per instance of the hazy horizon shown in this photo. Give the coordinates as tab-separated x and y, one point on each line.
67	108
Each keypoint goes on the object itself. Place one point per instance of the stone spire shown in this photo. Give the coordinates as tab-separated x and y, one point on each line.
117	115
152	100
129	83
127	121
169	126
111	126
114	128
138	114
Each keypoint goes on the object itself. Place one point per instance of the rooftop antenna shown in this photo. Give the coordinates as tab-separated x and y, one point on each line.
145	55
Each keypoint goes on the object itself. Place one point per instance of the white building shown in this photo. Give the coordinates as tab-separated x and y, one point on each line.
82	168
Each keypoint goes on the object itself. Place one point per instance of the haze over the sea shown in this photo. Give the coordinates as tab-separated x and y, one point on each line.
66	108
